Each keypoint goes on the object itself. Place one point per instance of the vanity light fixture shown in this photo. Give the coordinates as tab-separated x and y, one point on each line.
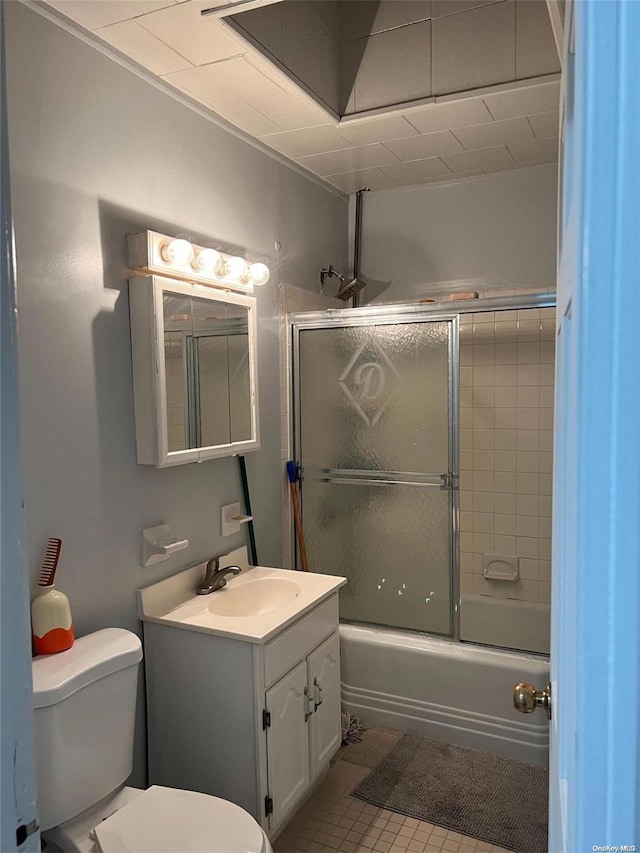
259	274
237	268
177	252
208	262
158	253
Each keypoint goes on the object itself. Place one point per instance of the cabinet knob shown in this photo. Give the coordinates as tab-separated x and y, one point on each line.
320	699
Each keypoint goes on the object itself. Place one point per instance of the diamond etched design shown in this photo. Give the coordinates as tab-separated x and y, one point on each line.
369	382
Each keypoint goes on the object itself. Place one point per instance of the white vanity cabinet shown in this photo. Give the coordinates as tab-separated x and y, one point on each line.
255	721
302	723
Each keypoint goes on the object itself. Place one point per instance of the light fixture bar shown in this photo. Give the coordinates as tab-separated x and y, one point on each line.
153	252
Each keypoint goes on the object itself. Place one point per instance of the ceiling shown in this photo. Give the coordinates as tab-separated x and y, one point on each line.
488	127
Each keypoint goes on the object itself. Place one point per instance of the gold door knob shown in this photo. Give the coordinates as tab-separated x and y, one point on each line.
526	698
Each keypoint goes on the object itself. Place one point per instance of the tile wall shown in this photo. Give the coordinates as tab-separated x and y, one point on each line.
507	362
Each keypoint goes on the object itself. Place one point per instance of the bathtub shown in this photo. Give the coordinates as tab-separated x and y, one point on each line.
454	692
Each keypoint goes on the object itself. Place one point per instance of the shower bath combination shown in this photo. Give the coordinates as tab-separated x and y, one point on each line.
437	467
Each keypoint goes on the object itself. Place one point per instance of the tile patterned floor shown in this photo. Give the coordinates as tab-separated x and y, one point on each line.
331	821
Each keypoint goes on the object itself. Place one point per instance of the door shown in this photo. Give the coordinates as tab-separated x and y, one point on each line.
18	824
323	668
373	438
595	653
287	742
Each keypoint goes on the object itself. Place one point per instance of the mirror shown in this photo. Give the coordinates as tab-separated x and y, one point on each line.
204	341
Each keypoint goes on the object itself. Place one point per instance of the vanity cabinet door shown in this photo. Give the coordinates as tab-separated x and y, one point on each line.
324	686
287	742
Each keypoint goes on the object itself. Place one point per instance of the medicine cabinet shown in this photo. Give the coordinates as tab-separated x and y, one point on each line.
194	371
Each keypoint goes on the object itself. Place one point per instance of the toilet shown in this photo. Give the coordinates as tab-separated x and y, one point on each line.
84	703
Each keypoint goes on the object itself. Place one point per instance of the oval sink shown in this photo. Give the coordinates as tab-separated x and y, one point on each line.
254	597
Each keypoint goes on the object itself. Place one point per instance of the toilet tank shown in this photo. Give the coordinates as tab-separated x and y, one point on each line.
84	702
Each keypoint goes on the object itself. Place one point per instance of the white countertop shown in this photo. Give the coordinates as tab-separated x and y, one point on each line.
175	601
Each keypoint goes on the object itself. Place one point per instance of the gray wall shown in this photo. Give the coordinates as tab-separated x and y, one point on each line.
98	152
491	233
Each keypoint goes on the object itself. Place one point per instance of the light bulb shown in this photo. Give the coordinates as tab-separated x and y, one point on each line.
177	252
259	274
208	261
236	268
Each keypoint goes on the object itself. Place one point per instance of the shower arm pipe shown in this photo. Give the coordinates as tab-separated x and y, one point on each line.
357	241
358	232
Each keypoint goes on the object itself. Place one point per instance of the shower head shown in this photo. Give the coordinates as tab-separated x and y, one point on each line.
348	290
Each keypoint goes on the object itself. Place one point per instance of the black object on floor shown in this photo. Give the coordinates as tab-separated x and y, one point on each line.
488	797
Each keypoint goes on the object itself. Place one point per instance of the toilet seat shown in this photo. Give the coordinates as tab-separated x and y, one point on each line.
169	820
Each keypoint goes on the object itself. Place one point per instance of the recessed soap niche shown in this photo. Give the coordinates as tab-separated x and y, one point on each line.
499	568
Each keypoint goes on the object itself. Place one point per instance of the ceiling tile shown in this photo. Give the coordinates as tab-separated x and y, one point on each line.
349	160
536	52
524	100
285	104
101	13
440	179
448	115
482	158
377	130
416	171
351	182
263	25
355	19
452	7
380	82
199	39
290	112
362	19
474	49
515	166
304	143
328	14
230	79
391	14
246	117
495	133
536	151
546	125
310	52
428	145
143	47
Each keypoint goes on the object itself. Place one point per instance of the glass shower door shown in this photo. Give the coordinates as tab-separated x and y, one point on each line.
374	446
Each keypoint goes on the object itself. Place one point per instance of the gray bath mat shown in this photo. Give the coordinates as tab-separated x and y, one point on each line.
475	793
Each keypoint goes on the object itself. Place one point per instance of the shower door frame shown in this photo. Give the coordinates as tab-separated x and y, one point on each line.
393	314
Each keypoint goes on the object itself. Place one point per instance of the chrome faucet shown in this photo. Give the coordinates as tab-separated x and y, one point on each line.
216	578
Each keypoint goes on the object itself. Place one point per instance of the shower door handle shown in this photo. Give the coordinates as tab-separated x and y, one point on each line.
526	698
450	480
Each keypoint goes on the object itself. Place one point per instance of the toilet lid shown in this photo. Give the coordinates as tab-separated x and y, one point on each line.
168	820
